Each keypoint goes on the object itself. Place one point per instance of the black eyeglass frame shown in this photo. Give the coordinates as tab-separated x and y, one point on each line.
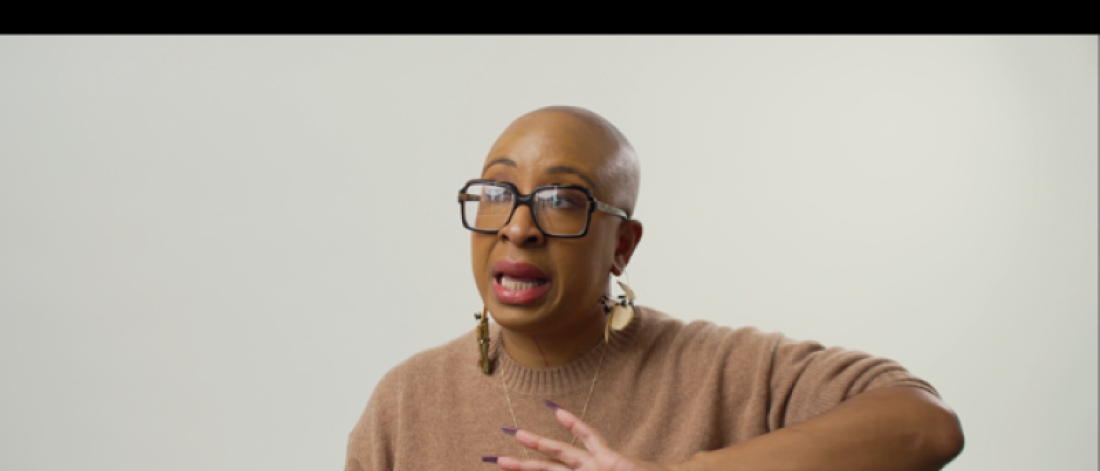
526	200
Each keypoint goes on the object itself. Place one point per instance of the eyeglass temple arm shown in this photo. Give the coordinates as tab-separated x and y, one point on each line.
611	210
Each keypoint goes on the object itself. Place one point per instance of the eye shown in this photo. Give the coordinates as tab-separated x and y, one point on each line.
563	199
496	194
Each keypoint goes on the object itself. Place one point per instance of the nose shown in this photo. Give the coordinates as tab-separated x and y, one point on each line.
521	230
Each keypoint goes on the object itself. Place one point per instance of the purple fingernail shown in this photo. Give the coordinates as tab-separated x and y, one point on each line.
553	405
509	430
489	459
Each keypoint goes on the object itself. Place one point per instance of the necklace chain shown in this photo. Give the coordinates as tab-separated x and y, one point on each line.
584	412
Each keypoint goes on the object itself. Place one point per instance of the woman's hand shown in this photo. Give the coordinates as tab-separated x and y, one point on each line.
595	456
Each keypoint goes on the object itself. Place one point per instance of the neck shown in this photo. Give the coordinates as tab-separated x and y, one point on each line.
551	350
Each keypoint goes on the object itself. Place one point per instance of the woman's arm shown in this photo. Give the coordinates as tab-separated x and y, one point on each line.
895	428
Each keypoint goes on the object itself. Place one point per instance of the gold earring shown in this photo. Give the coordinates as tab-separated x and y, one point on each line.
621	313
483	337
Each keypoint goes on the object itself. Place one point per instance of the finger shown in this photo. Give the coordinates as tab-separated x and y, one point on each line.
513	464
591	440
564	453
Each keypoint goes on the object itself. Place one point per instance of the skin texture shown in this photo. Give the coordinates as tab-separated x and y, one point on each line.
897	428
559	146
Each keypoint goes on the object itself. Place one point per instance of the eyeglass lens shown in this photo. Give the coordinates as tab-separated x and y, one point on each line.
558	211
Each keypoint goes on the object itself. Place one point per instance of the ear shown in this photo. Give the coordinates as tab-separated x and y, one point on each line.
630	234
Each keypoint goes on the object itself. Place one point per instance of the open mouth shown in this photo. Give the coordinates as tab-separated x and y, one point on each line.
518	282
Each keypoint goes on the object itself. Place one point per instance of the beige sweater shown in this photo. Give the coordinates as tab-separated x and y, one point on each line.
666	390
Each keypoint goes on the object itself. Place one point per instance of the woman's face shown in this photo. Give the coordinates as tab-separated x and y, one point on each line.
542	285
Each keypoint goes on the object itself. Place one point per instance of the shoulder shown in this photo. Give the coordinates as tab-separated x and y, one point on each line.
790	367
438	364
402	386
705	337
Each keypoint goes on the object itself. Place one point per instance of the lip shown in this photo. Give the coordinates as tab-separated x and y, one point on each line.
519	270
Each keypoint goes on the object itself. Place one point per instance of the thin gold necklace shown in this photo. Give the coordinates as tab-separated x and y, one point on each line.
584	412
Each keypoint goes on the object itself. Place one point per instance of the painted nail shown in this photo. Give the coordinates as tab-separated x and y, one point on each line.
552	405
489	459
509	430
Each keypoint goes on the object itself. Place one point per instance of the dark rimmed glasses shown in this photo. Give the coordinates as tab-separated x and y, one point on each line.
558	210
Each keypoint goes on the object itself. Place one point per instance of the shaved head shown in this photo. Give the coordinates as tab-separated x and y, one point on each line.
589	137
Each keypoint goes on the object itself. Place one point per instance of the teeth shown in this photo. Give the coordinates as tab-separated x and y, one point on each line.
512	284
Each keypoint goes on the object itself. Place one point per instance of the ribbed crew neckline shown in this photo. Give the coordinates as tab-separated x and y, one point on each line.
559	380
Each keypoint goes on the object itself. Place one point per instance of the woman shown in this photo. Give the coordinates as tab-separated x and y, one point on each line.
627	389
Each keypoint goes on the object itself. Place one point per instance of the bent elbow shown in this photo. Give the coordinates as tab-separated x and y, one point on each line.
944	440
953	438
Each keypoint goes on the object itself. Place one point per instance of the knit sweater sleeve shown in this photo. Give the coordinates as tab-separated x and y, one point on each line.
808	379
371	444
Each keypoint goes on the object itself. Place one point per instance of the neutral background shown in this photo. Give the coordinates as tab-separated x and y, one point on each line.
211	248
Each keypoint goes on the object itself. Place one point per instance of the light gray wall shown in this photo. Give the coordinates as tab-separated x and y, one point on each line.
212	248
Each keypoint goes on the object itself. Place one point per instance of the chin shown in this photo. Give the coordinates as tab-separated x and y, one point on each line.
516	317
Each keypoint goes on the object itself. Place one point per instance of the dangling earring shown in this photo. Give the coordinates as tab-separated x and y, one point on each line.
620	313
482	317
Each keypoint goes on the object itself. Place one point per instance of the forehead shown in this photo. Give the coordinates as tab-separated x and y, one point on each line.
545	145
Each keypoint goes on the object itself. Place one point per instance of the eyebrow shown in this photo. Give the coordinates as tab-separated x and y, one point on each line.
499	160
556	169
568	169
